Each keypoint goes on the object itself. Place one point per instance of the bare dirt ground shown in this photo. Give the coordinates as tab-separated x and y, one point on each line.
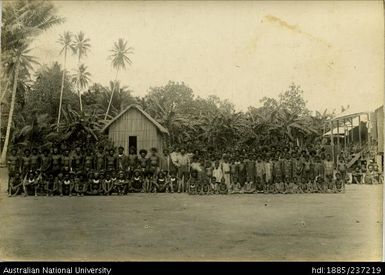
319	227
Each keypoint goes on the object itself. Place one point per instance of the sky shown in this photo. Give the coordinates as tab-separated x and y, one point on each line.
240	51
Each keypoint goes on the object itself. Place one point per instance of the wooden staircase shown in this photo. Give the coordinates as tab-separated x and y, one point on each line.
352	161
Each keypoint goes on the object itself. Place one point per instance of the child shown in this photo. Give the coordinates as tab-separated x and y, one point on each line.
241	174
314	185
120	185
68	185
40	184
132	161
94	186
56	162
165	162
77	160
143	166
121	159
342	168
309	185
268	175
339	183
59	184
250	174
209	167
298	166
370	176
107	184
35	160
172	182
318	167
287	167
80	185
302	186
100	160
203	186
213	186
222	187
13	167
357	175
193	183
217	175
234	172
259	173
30	183
277	175
160	185
258	184
329	170
137	181
378	174
113	177
111	161
320	183
15	185
226	171
196	165
26	162
183	164
46	162
307	168
153	164
293	186
88	162
66	162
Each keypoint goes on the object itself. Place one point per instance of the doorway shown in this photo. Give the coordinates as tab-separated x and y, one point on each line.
133	142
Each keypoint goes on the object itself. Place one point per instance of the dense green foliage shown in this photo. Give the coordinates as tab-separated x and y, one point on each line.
191	120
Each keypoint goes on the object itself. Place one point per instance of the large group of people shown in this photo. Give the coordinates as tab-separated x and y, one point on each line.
110	171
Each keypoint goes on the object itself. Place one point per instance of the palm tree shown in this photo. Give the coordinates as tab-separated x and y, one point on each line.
81	46
81	79
119	58
65	41
20	57
22	20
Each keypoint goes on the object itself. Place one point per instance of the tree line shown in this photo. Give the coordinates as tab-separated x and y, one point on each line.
52	104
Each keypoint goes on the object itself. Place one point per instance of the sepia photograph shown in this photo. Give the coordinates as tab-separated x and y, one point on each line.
191	131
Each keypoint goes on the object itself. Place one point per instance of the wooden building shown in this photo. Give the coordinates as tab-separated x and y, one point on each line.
378	128
135	128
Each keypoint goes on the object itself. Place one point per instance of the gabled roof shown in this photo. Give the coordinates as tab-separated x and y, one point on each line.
137	107
352	112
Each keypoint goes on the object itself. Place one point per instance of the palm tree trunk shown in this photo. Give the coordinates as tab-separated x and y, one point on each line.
61	89
4	92
112	95
1	106
10	117
80	97
80	100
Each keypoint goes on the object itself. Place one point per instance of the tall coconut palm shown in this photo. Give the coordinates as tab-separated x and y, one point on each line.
119	59
65	41
81	79
22	20
20	57
81	46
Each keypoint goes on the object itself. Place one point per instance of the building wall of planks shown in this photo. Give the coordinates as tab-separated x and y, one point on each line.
379	119
134	123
